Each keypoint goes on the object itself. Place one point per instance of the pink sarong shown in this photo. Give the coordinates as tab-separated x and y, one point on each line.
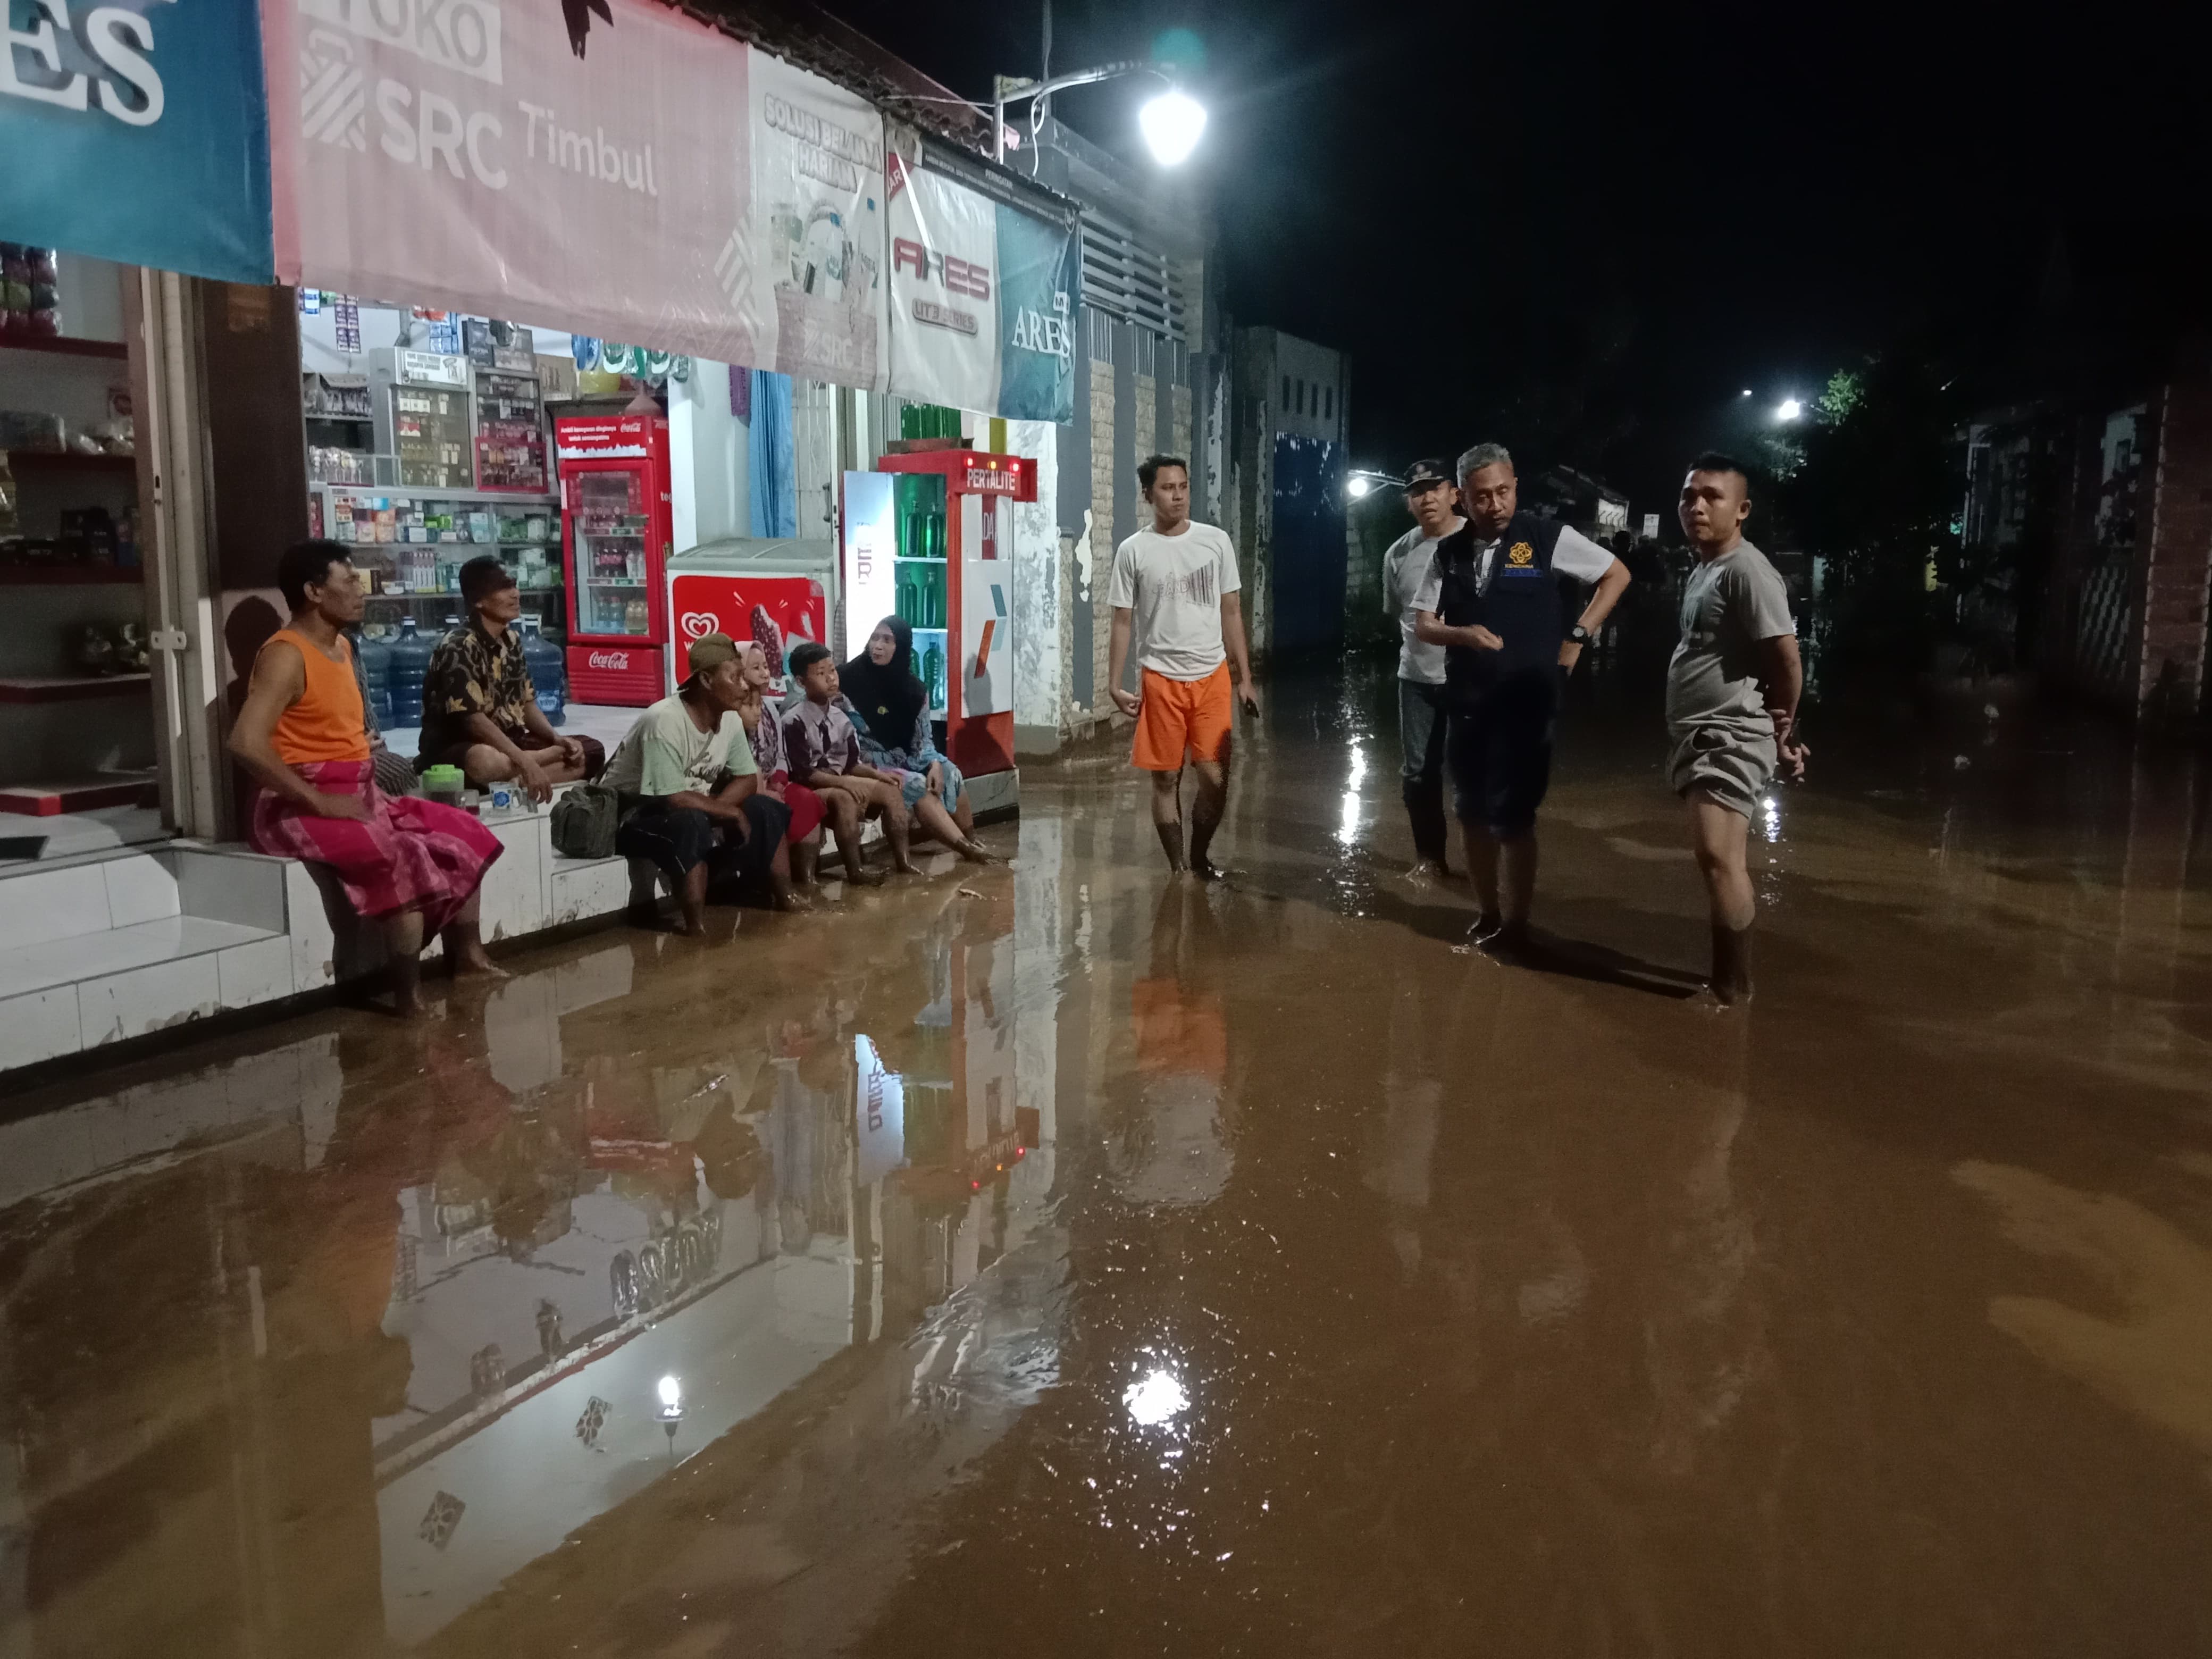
411	854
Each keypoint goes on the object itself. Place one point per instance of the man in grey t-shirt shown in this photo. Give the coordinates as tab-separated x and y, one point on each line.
1433	500
1732	692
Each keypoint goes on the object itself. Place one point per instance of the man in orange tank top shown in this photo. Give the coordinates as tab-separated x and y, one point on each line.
412	864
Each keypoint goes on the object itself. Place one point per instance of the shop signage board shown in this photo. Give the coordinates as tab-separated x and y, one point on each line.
138	131
983	300
813	291
493	157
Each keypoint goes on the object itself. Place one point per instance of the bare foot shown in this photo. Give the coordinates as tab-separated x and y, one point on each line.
1425	870
870	878
474	964
1204	870
975	852
904	867
788	899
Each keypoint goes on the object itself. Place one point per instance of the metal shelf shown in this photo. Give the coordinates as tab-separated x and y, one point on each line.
433	492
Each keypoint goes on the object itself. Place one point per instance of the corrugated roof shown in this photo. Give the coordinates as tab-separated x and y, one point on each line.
805	34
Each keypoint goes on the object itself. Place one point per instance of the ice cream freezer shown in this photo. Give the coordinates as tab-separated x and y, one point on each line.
778	591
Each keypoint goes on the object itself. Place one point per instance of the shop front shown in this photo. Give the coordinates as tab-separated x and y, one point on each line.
136	139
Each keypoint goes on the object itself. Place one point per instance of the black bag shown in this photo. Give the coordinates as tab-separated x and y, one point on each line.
584	822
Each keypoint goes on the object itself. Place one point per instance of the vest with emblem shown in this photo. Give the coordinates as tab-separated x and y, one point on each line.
1521	604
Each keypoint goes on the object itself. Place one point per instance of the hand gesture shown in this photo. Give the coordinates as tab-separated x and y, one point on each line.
531	776
341	806
933	779
572	751
1127	702
1249	697
1486	640
1570	654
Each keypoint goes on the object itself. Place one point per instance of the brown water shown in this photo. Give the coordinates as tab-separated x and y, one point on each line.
1054	1260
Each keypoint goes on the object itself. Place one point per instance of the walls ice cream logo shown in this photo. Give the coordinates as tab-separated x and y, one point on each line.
698	624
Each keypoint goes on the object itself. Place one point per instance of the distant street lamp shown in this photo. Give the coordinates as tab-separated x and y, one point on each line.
1172	122
1746	391
672	1409
1791	409
1362	481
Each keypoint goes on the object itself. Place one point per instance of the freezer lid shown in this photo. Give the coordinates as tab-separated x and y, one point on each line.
755	553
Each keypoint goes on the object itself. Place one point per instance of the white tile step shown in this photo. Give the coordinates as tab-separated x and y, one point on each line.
117	950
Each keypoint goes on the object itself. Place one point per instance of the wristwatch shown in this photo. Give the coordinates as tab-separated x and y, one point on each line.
1578	634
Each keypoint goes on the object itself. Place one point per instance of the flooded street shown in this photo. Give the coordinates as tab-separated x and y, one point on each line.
1054	1259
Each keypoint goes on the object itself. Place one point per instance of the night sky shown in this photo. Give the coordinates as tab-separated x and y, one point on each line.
1582	229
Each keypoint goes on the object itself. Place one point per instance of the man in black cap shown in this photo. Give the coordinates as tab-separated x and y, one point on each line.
1492	601
1433	500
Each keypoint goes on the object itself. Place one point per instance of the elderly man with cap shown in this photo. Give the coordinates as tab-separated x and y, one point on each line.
692	806
1433	500
1492	601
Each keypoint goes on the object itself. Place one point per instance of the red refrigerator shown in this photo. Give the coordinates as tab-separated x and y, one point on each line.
615	540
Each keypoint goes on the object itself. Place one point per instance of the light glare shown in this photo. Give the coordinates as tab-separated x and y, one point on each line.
1791	409
1155	1398
1359	487
1172	125
671	1392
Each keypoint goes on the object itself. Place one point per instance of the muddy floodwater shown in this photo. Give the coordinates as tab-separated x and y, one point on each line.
1054	1259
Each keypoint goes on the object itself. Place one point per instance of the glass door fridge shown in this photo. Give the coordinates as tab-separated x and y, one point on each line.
615	540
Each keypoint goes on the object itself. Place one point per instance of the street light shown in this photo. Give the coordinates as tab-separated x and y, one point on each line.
1171	122
1791	409
672	1409
1362	481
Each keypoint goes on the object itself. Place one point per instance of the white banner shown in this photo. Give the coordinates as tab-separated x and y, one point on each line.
813	290
944	246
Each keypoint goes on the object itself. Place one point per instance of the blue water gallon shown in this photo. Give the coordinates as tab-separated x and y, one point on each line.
549	670
375	658
410	662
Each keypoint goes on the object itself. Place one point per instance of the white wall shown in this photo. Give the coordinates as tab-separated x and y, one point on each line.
709	461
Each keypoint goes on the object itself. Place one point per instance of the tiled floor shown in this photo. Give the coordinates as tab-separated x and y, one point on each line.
71	833
117	950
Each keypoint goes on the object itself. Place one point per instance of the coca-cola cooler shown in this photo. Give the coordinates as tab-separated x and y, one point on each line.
777	591
615	540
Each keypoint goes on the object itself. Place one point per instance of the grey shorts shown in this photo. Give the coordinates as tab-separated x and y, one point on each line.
1734	765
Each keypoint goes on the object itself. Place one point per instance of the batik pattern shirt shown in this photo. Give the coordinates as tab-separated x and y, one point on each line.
471	673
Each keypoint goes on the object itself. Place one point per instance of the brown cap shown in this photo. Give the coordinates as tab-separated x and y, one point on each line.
710	651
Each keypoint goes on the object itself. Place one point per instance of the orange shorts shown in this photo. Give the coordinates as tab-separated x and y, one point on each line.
1179	715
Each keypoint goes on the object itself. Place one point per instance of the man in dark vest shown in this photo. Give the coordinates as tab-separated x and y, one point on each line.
1492	602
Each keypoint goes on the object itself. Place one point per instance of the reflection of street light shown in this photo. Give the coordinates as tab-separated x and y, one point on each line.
1791	409
1172	122
672	1409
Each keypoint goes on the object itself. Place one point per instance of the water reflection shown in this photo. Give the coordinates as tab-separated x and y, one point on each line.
384	1320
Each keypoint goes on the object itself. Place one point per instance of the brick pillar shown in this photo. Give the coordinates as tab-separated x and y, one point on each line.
2177	539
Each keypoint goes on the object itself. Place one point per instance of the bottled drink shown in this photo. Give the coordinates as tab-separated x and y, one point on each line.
409	660
549	672
376	676
932	673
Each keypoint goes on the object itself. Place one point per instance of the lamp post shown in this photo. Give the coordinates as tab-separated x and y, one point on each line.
1362	481
1171	122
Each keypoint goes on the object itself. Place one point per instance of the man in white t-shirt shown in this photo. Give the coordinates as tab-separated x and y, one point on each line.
1176	582
1433	500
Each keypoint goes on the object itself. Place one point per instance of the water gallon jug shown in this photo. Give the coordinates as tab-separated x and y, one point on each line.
549	673
411	659
375	658
932	673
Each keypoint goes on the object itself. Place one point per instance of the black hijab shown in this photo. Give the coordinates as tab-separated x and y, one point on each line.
888	697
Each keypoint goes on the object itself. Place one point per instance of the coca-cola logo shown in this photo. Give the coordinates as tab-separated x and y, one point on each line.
698	624
614	659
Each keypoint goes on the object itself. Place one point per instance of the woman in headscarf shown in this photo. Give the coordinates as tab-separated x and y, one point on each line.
764	732
889	706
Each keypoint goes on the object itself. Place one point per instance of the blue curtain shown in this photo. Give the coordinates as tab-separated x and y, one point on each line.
774	465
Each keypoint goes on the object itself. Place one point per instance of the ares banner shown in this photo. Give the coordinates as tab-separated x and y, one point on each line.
983	299
138	131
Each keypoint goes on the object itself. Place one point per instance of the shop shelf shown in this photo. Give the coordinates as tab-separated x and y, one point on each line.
63	345
73	688
63	460
64	576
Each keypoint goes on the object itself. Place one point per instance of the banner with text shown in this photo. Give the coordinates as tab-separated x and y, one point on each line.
522	160
982	299
138	131
814	293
